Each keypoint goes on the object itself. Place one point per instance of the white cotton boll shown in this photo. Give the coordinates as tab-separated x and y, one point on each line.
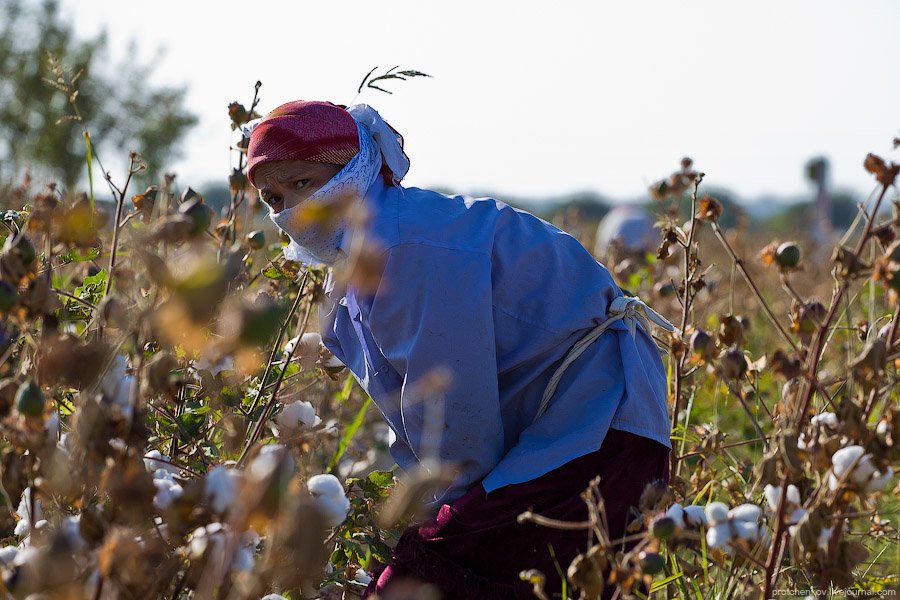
825	419
8	555
167	490
25	555
796	515
749	513
718	535
864	470
298	414
226	363
334	509
309	345
325	485
832	482
273	597
843	458
362	577
70	528
676	513
26	517
265	463
793	495
156	465
716	512
113	377
695	516
773	494
746	530
879	480
199	541
220	488
332	362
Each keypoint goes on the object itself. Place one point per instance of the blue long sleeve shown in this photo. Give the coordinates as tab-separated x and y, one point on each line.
432	312
496	297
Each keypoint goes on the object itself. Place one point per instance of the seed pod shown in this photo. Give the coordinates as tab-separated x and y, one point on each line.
731	330
702	344
256	239
663	527
734	363
199	214
30	399
788	255
652	563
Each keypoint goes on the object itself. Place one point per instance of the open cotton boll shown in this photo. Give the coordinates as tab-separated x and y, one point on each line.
335	509
362	577
825	419
156	460
843	458
273	597
308	344
879	480
113	377
746	530
220	488
718	535
325	485
676	513
695	516
8	555
26	516
773	494
796	515
296	415
749	513
716	512
167	490
226	363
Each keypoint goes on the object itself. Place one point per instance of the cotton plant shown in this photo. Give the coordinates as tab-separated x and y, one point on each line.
220	488
851	464
729	526
793	508
164	473
223	548
330	498
295	417
116	387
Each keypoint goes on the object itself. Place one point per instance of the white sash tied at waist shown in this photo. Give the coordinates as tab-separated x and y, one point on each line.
629	309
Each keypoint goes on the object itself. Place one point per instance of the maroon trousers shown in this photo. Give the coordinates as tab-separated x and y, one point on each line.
474	548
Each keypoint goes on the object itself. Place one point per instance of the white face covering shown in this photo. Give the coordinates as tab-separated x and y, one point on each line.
315	244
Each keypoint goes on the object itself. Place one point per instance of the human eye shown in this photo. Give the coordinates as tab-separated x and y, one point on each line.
299	184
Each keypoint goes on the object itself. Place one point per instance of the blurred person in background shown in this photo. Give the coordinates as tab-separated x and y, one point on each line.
500	352
624	238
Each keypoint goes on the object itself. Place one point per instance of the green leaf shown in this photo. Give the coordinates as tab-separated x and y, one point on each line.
381	478
75	255
274	272
349	433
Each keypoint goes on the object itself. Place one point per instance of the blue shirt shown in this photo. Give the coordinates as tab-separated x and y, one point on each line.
496	297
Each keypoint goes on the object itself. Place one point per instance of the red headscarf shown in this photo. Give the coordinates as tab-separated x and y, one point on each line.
304	130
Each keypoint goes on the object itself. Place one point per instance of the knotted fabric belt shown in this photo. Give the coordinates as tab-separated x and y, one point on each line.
629	309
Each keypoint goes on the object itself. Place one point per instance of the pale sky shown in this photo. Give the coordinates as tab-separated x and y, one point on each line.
544	98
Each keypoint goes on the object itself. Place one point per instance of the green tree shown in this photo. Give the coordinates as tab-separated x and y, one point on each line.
117	105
